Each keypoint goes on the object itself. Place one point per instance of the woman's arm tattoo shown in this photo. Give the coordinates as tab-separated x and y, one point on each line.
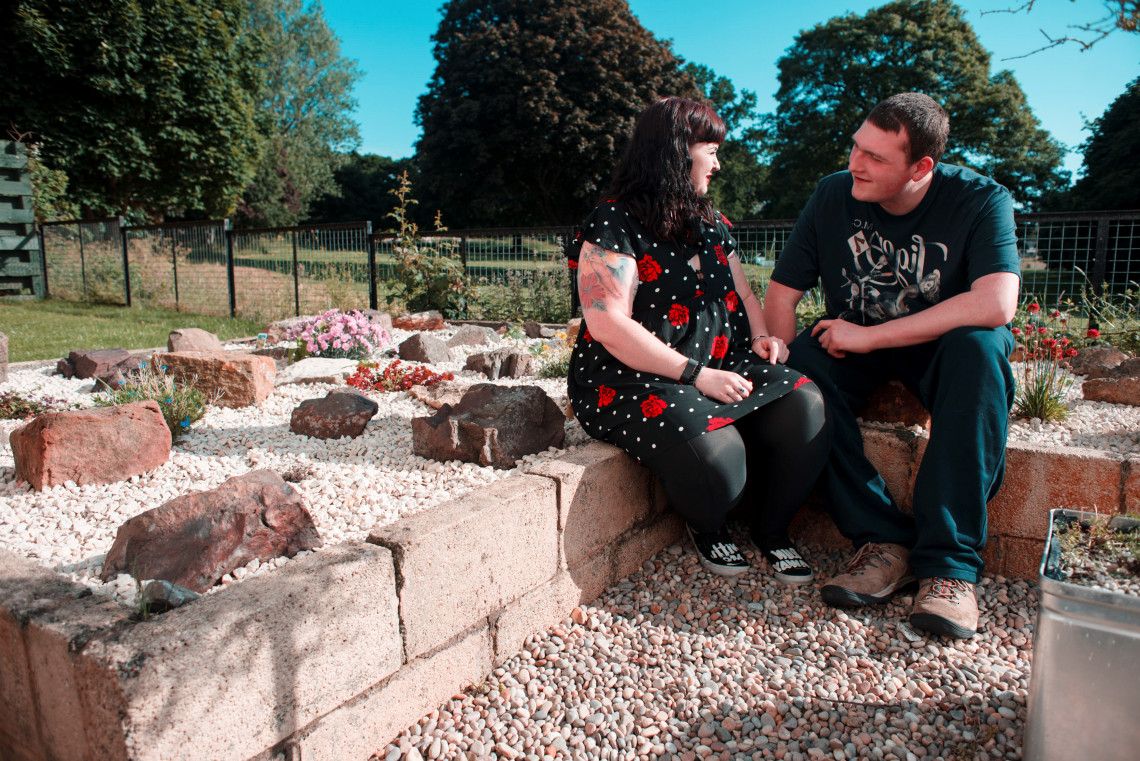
606	279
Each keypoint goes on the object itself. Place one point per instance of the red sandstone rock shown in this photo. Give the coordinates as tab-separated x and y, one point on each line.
85	363
572	329
241	379
1093	359
1121	390
91	446
116	374
430	320
492	425
342	412
195	539
894	403
192	339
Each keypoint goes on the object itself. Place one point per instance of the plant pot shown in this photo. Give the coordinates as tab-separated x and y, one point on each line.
1084	687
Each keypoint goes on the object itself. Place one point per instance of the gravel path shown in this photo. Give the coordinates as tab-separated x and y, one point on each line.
677	663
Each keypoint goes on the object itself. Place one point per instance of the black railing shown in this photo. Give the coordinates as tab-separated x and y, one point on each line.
209	268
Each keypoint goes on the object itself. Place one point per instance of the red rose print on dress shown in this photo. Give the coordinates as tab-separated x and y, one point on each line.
732	301
586	335
678	315
801	381
725	219
719	251
648	269
573	265
700	293
720	347
653	406
718	422
605	395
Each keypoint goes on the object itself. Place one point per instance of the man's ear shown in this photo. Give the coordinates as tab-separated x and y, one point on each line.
922	167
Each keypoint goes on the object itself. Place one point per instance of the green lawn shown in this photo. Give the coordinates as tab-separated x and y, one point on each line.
49	329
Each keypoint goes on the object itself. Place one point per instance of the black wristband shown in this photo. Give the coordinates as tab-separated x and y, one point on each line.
690	373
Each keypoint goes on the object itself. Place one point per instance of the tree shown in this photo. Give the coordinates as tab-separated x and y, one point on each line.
145	107
530	103
306	103
1110	175
737	186
1123	15
835	71
366	185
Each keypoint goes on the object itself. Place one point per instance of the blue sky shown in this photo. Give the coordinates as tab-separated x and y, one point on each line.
742	40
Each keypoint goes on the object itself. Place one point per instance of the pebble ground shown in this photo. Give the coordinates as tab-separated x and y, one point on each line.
676	663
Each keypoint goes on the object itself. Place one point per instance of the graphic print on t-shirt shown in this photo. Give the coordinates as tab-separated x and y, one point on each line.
886	281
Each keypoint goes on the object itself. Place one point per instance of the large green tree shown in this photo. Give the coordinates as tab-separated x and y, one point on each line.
365	186
834	72
147	107
305	104
530	102
736	188
1110	174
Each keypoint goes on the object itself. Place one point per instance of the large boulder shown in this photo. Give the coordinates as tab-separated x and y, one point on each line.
383	319
276	332
425	348
491	425
100	445
3	358
537	330
236	379
90	363
1118	385
438	394
196	539
501	363
474	335
115	375
317	370
1093	360
430	320
192	339
342	412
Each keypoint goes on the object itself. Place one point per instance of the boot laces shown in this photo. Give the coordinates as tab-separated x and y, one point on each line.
867	555
947	589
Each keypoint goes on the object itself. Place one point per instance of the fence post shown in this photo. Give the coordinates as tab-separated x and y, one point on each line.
463	253
230	266
1100	262
373	300
43	259
126	260
82	262
296	279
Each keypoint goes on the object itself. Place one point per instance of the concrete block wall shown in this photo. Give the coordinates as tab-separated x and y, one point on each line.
331	656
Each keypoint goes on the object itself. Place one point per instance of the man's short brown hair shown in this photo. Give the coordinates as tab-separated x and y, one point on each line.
926	123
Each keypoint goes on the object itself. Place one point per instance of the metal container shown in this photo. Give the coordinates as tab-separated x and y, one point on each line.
1084	688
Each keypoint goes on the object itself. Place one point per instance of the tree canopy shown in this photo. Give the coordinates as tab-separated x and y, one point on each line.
365	190
305	102
836	71
145	107
530	103
1110	176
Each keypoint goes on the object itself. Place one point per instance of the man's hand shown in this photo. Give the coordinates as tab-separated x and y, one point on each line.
840	337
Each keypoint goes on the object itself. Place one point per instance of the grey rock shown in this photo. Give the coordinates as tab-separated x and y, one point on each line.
160	596
1095	359
342	412
276	332
501	363
192	339
537	330
491	425
474	335
424	348
316	370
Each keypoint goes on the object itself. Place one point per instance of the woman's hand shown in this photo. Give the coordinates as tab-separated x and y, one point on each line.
771	348
722	385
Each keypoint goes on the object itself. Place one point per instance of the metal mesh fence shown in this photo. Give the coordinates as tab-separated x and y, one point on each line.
300	270
179	266
516	274
84	261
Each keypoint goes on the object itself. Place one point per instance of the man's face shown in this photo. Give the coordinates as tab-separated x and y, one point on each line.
879	165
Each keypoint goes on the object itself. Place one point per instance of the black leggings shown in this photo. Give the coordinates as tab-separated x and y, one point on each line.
767	461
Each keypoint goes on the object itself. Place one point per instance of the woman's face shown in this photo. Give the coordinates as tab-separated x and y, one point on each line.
704	164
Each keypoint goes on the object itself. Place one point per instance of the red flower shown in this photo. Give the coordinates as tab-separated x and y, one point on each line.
720	347
1043	331
1050	343
605	395
1072	352
1016	331
1055	313
678	315
1092	333
572	265
653	406
720	257
648	269
718	422
801	381
1064	342
1033	308
732	301
724	219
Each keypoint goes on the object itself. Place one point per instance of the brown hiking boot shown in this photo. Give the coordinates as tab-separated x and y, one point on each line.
946	606
873	576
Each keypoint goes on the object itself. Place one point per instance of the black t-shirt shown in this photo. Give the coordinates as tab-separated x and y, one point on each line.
875	266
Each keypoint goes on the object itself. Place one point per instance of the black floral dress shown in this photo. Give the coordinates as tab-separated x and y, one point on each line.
702	318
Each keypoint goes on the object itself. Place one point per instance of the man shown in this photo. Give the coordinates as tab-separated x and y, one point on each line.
919	268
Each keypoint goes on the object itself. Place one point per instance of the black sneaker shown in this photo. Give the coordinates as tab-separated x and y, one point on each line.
718	552
788	566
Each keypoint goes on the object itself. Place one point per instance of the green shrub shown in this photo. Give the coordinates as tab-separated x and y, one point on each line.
17	406
182	404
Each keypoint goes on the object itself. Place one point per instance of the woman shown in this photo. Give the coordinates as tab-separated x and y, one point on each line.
673	363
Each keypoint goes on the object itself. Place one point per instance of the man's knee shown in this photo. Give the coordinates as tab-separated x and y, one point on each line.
977	344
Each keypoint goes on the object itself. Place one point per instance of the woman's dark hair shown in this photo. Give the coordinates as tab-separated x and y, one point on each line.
652	177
